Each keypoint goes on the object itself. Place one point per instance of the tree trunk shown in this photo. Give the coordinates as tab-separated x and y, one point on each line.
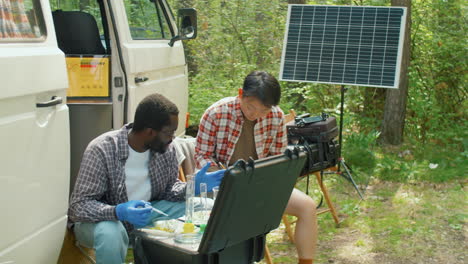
395	101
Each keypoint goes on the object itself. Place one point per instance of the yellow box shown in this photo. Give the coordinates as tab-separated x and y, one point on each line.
88	76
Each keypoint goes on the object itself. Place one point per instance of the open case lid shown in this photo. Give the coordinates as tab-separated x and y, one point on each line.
251	200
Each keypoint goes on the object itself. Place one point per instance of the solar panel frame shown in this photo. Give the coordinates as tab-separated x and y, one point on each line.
329	55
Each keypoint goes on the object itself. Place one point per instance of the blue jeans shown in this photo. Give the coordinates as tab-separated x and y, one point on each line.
110	239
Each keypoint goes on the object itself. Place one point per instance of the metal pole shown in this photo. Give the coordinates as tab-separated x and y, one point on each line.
340	139
341	159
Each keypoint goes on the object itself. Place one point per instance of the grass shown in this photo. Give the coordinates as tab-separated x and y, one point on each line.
396	223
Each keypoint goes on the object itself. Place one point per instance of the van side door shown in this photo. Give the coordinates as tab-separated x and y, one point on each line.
34	135
144	29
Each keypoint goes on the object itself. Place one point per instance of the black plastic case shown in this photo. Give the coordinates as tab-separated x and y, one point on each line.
251	200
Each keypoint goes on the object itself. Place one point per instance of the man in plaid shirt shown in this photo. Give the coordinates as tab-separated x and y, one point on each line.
123	171
252	125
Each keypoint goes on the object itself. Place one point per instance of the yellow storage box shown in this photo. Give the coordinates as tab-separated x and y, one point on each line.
88	76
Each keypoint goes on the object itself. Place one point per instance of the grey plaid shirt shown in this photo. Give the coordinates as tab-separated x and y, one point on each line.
100	185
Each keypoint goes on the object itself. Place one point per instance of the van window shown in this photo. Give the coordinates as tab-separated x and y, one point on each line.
21	20
147	19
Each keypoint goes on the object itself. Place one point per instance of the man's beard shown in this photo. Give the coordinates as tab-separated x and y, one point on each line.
159	146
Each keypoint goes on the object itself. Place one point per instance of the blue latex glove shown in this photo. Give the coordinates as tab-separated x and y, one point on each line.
136	212
211	179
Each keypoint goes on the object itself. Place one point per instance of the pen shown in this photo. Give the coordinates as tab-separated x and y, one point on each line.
178	219
221	165
159	211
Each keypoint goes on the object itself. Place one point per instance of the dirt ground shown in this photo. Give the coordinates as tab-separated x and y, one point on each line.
431	230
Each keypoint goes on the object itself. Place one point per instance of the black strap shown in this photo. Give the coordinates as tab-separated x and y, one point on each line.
309	154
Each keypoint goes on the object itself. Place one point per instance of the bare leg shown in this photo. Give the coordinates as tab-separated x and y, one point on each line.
304	208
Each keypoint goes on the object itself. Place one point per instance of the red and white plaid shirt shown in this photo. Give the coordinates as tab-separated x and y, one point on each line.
221	126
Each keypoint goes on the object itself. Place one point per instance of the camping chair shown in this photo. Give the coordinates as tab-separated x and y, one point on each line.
185	151
288	224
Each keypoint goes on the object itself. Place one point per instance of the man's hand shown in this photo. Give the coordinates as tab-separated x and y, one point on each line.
211	179
136	212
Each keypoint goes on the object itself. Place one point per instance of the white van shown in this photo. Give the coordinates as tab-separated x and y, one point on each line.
69	71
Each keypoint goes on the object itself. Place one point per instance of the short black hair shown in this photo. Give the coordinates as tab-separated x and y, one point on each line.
263	86
154	112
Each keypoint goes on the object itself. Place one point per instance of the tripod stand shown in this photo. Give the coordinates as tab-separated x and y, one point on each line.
347	172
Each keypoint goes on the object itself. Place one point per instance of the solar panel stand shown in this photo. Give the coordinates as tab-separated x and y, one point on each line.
347	173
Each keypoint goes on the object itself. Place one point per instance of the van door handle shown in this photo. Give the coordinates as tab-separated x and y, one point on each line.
141	79
55	100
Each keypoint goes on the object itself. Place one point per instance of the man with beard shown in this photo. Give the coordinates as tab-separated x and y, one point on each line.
123	174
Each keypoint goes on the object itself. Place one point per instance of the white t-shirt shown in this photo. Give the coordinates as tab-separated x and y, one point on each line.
136	175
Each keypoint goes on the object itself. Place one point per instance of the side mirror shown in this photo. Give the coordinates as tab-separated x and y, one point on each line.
187	25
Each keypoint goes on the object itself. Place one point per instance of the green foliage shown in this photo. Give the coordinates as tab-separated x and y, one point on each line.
412	163
310	98
88	6
236	37
205	92
438	74
359	149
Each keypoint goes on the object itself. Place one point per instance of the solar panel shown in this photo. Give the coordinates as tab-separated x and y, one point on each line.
349	45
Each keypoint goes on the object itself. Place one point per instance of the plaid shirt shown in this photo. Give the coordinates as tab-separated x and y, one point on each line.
100	185
221	126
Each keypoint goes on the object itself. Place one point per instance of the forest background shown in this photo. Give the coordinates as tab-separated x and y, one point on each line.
414	209
413	179
236	37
